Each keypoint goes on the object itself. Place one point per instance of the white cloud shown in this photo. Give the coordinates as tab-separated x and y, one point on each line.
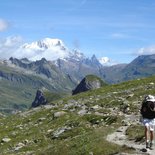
50	49
119	36
146	50
124	36
32	54
105	61
9	46
3	25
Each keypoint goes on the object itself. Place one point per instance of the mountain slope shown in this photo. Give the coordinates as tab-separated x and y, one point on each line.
78	124
19	82
142	66
59	76
62	75
78	66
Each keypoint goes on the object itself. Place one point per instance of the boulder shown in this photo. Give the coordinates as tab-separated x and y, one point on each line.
59	114
5	140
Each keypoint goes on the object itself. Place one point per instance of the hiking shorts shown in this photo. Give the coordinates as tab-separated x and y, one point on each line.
149	123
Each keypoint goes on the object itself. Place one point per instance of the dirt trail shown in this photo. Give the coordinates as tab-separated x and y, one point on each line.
119	137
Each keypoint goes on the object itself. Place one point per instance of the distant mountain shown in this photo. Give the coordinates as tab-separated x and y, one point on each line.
48	48
45	70
112	74
59	76
45	44
53	49
142	66
78	67
20	78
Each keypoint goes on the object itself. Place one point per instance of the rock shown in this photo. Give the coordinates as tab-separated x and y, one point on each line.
91	153
99	114
59	114
41	119
5	140
130	95
126	123
59	131
96	107
82	112
152	83
49	131
26	141
20	127
19	146
39	99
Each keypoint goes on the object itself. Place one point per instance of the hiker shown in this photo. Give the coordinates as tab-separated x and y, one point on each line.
148	115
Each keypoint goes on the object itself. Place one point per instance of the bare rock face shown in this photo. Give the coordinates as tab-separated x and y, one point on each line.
39	99
88	83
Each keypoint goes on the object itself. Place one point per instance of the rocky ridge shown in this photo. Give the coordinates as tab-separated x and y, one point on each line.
39	99
89	82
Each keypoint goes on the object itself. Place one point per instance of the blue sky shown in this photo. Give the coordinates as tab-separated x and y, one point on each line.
118	29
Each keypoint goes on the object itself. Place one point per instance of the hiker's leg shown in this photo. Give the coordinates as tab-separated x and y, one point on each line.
151	134
146	123
146	133
151	130
151	139
147	136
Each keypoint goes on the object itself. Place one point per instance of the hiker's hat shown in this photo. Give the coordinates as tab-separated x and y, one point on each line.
150	98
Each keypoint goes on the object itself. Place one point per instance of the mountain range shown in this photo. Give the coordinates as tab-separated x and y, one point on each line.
82	123
20	78
50	49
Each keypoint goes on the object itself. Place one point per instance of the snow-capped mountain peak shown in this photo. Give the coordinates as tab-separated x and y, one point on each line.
52	42
77	55
53	49
45	43
48	48
104	60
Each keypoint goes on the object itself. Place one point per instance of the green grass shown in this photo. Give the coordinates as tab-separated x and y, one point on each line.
94	78
16	97
81	139
86	133
84	143
136	132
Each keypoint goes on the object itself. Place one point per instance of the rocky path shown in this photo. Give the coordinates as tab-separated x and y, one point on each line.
119	137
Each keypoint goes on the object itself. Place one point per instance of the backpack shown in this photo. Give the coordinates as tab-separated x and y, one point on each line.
147	108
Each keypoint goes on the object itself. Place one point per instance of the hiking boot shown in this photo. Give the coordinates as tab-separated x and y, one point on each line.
151	146
147	145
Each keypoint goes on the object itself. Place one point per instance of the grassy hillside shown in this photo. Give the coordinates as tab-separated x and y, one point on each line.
76	125
18	87
15	97
92	78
